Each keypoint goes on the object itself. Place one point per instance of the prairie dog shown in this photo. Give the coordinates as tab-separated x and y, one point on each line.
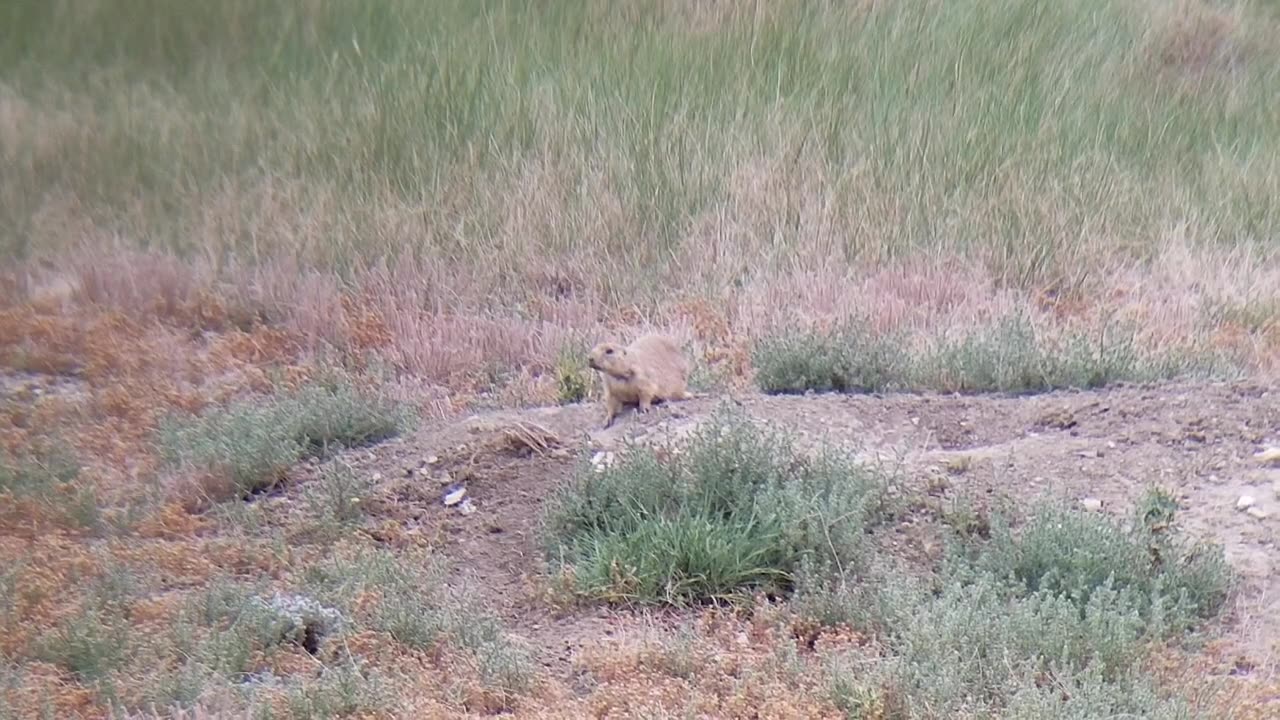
651	369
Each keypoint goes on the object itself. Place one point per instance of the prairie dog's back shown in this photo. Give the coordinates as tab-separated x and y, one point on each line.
660	358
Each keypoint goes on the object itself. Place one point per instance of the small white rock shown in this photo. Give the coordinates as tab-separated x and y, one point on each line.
1258	513
432	460
1245	502
602	460
466	508
1269	456
454	497
376	477
1091	504
424	473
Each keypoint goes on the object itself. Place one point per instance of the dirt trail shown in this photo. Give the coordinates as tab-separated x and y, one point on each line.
1195	440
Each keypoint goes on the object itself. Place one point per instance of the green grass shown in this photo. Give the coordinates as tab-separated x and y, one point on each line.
252	442
1052	620
1073	554
1051	617
573	378
1021	131
228	633
738	510
50	475
418	610
343	691
42	470
337	500
1009	355
846	359
97	639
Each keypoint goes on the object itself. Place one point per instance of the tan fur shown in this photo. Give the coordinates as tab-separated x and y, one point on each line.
651	369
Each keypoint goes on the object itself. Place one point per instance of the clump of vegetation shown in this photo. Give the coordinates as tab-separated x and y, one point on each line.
337	499
252	442
416	608
1012	355
48	475
736	510
348	690
1051	621
228	634
97	638
1009	355
90	644
972	650
1073	554
43	470
573	377
847	358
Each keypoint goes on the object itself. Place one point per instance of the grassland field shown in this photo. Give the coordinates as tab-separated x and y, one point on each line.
263	258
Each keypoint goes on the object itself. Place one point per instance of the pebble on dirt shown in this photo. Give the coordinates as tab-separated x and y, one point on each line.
454	495
1245	502
602	460
1269	456
1091	504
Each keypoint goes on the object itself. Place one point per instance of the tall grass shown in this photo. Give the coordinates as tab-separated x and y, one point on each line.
617	136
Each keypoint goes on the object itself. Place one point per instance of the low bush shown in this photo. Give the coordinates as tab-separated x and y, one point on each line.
735	510
1051	621
250	443
1009	355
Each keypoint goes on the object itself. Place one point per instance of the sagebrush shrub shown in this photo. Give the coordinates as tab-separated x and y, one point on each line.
252	442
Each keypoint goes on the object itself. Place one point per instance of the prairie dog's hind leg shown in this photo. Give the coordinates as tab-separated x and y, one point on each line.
645	402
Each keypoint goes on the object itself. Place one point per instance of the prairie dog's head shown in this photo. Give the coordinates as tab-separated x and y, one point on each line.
609	358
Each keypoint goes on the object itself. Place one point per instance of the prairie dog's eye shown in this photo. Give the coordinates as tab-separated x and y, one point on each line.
608	351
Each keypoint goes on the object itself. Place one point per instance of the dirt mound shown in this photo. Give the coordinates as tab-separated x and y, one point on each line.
1102	448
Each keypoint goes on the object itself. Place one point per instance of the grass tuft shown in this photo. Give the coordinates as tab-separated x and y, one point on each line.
338	498
573	377
251	443
1171	584
344	691
417	609
1052	621
736	510
48	475
846	359
1010	355
41	471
